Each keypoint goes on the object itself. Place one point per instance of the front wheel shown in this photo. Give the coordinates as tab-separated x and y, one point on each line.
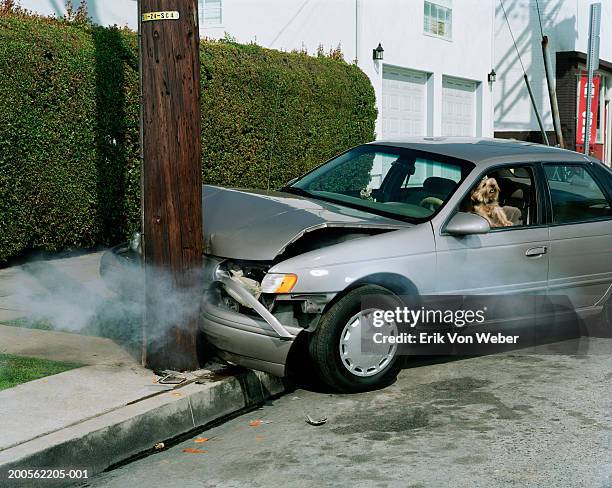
336	346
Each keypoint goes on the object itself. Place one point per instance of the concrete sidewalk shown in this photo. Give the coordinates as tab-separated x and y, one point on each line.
62	346
97	416
111	408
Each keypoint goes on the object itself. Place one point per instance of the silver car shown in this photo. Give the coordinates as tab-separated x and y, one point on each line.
393	218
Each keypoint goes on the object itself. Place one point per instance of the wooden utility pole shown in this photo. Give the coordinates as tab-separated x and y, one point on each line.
172	180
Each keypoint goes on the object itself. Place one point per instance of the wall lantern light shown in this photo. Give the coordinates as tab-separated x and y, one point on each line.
492	76
377	54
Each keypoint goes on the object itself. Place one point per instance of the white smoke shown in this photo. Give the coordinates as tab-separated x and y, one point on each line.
51	296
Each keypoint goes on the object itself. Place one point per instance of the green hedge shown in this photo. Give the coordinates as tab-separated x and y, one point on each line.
69	166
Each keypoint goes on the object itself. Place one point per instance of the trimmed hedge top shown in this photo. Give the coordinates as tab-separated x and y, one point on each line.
69	126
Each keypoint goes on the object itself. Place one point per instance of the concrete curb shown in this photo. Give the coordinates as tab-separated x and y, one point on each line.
116	436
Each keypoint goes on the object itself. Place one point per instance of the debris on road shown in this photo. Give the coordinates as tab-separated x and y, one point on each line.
199	440
255	423
219	374
159	445
315	422
172	379
193	450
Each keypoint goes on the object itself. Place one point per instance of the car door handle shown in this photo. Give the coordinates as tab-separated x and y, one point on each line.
536	251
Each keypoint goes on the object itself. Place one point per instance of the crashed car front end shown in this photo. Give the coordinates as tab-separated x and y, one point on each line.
251	317
252	312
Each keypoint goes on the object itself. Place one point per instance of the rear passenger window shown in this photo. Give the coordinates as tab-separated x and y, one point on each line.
575	195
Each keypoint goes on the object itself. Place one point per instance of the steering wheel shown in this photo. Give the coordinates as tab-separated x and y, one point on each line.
431	203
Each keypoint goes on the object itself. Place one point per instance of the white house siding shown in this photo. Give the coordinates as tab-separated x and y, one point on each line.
103	12
358	26
566	23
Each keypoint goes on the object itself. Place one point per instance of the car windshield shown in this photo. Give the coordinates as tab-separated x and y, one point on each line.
395	182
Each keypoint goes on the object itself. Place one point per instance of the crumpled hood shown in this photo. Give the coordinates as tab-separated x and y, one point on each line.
258	225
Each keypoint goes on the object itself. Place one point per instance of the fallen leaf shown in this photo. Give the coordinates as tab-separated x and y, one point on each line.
153	380
200	439
191	450
259	437
255	423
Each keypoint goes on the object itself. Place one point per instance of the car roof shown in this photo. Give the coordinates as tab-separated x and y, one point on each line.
486	150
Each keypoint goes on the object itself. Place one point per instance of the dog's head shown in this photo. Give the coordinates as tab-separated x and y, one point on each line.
487	191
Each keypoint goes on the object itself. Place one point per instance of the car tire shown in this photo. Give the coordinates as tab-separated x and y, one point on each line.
325	343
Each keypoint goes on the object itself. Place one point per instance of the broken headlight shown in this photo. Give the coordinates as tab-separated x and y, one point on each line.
245	277
278	283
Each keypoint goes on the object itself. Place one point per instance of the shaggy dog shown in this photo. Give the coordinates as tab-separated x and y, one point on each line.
485	202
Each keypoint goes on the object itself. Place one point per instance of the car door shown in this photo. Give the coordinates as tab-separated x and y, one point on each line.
507	260
580	268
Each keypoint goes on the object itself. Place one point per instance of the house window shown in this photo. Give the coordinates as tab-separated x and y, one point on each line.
439	19
211	13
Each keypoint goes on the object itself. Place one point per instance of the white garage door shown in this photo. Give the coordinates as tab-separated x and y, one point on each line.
403	103
458	107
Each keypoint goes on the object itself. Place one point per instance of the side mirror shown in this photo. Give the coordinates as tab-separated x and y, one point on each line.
464	224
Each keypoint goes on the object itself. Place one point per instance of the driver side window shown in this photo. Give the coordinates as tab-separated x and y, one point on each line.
505	197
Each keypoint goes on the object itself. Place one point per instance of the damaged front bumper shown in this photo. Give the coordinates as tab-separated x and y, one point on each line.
255	340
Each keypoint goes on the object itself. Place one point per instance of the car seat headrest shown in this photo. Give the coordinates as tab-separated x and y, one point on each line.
438	185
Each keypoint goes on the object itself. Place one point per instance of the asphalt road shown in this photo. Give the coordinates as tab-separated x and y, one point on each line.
513	420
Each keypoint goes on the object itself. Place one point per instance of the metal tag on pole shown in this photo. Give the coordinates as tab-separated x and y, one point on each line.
592	65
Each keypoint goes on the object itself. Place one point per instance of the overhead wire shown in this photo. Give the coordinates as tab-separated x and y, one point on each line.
539	18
